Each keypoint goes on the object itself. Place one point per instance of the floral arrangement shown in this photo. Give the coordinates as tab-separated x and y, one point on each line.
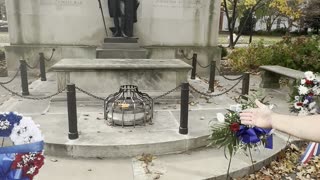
305	95
23	160
305	102
233	136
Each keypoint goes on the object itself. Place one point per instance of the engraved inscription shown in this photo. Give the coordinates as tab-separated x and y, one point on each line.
178	3
62	3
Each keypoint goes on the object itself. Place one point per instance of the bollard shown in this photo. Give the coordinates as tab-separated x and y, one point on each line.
24	77
42	67
194	66
184	108
72	112
245	83
212	76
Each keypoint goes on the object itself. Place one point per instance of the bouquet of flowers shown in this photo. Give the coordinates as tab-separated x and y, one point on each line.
305	95
305	102
232	135
24	159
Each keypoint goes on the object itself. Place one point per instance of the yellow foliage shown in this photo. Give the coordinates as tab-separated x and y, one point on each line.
284	8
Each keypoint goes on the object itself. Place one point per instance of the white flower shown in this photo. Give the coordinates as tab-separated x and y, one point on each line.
297	98
309	75
236	108
303	90
26	132
305	101
316	90
220	117
303	81
4	124
303	112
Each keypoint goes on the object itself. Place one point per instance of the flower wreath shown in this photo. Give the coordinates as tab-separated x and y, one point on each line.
23	160
306	102
305	95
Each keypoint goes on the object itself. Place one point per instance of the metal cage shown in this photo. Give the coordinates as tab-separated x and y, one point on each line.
128	107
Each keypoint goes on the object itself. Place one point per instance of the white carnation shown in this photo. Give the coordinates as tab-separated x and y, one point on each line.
303	112
220	117
303	81
26	132
303	90
309	75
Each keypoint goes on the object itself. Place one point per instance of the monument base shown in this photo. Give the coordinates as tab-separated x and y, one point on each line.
121	48
107	75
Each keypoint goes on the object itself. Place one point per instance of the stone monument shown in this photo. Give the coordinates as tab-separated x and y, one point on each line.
75	29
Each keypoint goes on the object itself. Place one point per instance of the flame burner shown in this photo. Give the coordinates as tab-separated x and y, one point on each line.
128	107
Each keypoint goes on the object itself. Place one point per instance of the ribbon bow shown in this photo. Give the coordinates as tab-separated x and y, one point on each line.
251	135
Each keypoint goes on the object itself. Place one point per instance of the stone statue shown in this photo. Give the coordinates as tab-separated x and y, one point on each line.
124	14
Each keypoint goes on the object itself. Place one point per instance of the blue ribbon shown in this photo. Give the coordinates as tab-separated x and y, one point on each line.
251	135
7	156
25	148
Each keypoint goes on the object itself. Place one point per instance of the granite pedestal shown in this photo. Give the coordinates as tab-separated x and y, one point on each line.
107	75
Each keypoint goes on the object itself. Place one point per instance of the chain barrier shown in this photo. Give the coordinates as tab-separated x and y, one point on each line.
229	79
31	98
203	66
52	53
15	75
215	95
90	94
167	93
185	56
32	67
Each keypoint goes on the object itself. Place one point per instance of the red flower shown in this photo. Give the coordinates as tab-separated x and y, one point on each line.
299	104
235	127
310	94
309	82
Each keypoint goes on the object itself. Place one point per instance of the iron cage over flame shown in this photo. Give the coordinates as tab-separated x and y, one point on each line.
128	107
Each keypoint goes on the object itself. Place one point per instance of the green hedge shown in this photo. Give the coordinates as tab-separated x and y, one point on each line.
302	53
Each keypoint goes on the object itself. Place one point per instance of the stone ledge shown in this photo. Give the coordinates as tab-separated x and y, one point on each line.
128	64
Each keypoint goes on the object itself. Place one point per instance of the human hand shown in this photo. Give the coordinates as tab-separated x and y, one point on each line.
260	116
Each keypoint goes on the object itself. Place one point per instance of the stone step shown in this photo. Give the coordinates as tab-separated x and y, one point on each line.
121	40
122	53
120	46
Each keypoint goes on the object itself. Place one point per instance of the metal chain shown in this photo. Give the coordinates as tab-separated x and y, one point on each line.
184	56
31	98
165	94
90	94
53	50
229	79
15	75
215	95
203	66
32	67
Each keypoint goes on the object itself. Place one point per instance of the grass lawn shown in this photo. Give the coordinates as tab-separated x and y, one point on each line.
223	39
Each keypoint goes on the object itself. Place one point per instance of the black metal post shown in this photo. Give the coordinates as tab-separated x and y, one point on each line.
194	66
212	75
72	112
184	108
24	78
245	83
42	67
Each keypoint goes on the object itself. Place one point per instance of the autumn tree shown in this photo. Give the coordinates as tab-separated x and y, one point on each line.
235	9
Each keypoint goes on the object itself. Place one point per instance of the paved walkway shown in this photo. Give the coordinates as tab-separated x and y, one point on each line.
197	164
